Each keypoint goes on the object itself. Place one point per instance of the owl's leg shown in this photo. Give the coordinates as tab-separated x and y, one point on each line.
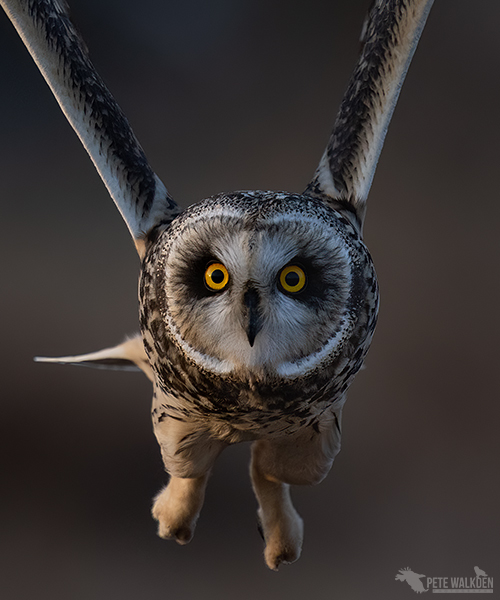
303	458
282	527
188	454
177	507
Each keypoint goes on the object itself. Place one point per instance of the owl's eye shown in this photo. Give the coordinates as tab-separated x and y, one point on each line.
216	277
292	279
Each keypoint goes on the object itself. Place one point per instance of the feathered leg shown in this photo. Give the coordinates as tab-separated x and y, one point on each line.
188	454
282	527
303	459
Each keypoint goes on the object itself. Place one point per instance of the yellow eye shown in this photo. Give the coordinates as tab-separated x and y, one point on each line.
216	277
293	279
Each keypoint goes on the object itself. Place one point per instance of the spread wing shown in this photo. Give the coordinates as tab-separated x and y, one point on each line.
390	36
62	57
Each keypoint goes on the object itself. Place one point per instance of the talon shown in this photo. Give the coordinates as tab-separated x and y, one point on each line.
260	528
182	535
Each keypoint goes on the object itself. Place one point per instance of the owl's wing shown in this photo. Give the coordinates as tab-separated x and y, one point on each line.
128	356
390	36
62	57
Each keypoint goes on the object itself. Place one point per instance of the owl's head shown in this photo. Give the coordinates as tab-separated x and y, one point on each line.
261	284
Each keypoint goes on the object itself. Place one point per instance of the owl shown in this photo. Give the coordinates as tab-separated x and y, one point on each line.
257	308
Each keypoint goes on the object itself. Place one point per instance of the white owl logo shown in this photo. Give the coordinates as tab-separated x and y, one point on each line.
412	579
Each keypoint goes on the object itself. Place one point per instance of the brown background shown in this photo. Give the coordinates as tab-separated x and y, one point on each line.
241	94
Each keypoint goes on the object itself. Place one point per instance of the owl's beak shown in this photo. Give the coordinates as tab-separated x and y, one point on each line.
253	320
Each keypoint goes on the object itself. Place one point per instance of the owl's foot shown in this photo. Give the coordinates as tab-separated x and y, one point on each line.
283	534
177	508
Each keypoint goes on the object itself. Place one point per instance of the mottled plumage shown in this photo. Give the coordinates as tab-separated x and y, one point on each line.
298	369
257	308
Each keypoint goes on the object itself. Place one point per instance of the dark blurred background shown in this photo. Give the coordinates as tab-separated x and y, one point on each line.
242	94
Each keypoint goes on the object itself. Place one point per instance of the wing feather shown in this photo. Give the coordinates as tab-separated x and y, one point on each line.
127	356
390	36
62	57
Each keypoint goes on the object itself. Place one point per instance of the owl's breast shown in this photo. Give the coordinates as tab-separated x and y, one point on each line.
234	408
257	309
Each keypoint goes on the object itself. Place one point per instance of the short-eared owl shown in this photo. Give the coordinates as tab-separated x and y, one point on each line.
257	308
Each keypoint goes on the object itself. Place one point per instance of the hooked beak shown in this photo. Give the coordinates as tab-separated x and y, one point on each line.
253	321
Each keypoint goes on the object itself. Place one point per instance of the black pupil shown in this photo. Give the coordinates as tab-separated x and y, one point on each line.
292	279
217	276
